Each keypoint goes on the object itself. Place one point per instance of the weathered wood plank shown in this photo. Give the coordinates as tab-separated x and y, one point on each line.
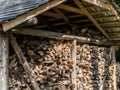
23	61
73	54
49	34
113	63
22	18
4	61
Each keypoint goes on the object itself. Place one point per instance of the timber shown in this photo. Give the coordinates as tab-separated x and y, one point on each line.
49	34
23	61
78	3
98	3
113	64
22	18
73	55
4	50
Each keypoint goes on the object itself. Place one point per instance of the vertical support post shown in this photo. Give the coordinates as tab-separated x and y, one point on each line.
3	61
113	63
73	54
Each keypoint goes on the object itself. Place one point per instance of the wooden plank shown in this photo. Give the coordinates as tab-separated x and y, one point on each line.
109	23
49	34
23	61
78	3
98	3
73	56
4	51
113	63
70	8
22	18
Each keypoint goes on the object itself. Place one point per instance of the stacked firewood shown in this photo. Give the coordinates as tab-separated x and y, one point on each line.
92	68
51	65
84	32
50	62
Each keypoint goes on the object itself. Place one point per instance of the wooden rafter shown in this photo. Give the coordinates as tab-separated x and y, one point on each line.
52	14
22	18
98	3
70	8
61	14
78	3
111	28
108	23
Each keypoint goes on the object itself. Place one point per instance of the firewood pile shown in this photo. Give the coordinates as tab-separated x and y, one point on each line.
92	68
118	75
84	32
51	65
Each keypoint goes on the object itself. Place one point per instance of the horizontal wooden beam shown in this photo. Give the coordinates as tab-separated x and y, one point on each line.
111	28
109	23
22	18
49	34
98	3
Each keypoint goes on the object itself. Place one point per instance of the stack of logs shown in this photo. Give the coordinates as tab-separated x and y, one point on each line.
51	65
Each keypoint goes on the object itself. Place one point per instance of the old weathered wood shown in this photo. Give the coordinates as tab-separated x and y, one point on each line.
49	34
23	61
22	18
3	61
113	63
78	3
73	56
98	3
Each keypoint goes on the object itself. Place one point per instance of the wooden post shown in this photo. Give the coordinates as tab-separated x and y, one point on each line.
3	61
23	61
73	54
113	63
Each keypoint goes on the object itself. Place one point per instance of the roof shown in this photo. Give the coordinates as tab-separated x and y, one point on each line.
11	8
103	15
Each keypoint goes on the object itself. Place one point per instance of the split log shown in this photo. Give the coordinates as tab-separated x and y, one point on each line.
49	34
23	61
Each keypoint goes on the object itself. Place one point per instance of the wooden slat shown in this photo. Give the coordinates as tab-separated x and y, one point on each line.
111	28
51	14
73	75
78	3
98	3
23	61
113	63
22	18
70	8
49	34
109	23
4	51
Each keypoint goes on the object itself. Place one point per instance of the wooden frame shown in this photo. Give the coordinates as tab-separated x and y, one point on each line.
22	18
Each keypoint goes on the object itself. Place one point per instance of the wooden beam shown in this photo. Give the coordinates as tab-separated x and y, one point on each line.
98	3
23	61
111	28
52	14
109	23
4	51
113	64
106	17
78	3
73	56
22	18
99	12
49	34
70	8
61	14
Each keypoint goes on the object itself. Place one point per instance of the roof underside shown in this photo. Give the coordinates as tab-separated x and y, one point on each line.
82	13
